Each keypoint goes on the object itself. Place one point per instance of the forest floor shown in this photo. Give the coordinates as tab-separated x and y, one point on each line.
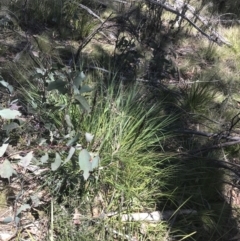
197	80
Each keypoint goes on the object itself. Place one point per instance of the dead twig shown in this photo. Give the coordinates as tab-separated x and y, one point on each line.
90	11
89	38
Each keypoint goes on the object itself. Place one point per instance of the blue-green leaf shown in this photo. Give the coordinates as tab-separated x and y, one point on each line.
25	161
3	148
78	79
85	88
89	137
9	114
75	90
59	85
8	86
16	220
44	158
84	163
24	207
95	162
9	127
6	169
68	121
7	220
56	164
83	103
73	140
70	154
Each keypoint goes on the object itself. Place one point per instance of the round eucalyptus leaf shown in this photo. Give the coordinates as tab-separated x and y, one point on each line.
6	169
95	162
89	137
9	114
84	163
7	220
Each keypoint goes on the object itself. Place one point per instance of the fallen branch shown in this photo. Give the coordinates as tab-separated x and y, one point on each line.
213	36
225	165
217	163
209	135
154	216
213	147
231	140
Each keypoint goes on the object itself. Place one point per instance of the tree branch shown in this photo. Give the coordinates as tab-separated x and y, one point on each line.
232	167
214	36
209	135
217	146
89	38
